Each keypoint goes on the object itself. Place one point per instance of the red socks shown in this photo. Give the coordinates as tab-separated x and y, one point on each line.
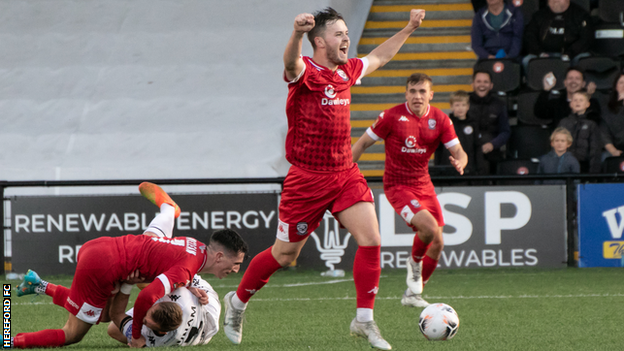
43	338
59	294
257	274
429	265
366	272
418	248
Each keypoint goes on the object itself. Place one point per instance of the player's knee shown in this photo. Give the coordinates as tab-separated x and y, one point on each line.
286	258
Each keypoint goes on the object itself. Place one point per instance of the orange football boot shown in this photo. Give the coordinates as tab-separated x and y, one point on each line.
157	196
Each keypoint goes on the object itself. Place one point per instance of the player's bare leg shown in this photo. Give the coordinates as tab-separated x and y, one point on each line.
260	269
427	232
361	221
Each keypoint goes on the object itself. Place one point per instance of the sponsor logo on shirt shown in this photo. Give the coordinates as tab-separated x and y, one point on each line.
410	146
330	92
341	102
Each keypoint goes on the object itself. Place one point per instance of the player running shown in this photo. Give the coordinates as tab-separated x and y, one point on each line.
412	132
105	262
323	176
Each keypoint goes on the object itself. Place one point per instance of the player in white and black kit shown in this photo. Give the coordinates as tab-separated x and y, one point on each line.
200	322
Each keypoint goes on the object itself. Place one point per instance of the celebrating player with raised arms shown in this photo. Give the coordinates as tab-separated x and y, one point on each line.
323	176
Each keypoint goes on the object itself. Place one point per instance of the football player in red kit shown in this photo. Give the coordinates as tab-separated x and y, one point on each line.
323	176
412	132
103	263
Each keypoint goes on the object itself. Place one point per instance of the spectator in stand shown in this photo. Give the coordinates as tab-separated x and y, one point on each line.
562	29
559	160
491	114
555	105
467	130
587	138
497	31
612	125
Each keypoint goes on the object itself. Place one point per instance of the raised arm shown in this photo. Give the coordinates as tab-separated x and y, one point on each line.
293	63
386	51
362	144
459	158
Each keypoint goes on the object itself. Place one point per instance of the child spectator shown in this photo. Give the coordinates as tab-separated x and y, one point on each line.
467	130
587	138
559	160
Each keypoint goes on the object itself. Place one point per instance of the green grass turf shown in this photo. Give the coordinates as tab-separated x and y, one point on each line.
504	309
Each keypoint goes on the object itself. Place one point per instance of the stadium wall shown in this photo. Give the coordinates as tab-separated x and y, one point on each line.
147	89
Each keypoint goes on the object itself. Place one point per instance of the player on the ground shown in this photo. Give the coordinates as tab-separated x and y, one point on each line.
200	317
105	262
323	176
412	132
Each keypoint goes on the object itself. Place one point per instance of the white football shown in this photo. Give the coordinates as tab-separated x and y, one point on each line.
438	321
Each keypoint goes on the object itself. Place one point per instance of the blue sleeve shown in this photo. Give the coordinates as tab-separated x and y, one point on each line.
476	37
518	30
504	131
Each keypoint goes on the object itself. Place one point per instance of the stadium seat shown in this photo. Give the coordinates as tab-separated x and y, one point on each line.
539	67
600	70
584	4
516	167
528	141
611	11
609	40
613	165
528	8
505	73
526	105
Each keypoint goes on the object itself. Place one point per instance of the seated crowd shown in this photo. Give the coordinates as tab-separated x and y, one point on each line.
586	129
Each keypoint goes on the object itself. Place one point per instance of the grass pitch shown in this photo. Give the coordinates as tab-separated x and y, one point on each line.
499	309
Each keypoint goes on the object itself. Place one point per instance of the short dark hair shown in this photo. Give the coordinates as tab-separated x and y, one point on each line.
231	240
321	19
168	315
575	68
417	78
614	102
477	71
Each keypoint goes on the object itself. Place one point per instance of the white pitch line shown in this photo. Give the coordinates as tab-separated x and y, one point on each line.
442	298
445	297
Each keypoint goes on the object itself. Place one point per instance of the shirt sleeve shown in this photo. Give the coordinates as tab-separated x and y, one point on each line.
449	137
164	284
380	128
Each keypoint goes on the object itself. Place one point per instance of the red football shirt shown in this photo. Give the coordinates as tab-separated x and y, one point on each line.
319	131
409	143
169	263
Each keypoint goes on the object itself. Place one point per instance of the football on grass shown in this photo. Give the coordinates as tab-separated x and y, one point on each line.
438	321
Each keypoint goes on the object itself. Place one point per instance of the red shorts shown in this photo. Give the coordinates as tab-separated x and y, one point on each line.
307	195
407	201
97	270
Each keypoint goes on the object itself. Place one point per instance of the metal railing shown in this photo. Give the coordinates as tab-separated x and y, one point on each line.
570	181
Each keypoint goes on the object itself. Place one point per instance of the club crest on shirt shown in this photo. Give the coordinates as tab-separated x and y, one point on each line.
342	74
468	130
432	123
330	92
302	228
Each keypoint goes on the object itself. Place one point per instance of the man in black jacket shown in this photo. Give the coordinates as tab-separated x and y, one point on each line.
552	106
491	114
562	29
